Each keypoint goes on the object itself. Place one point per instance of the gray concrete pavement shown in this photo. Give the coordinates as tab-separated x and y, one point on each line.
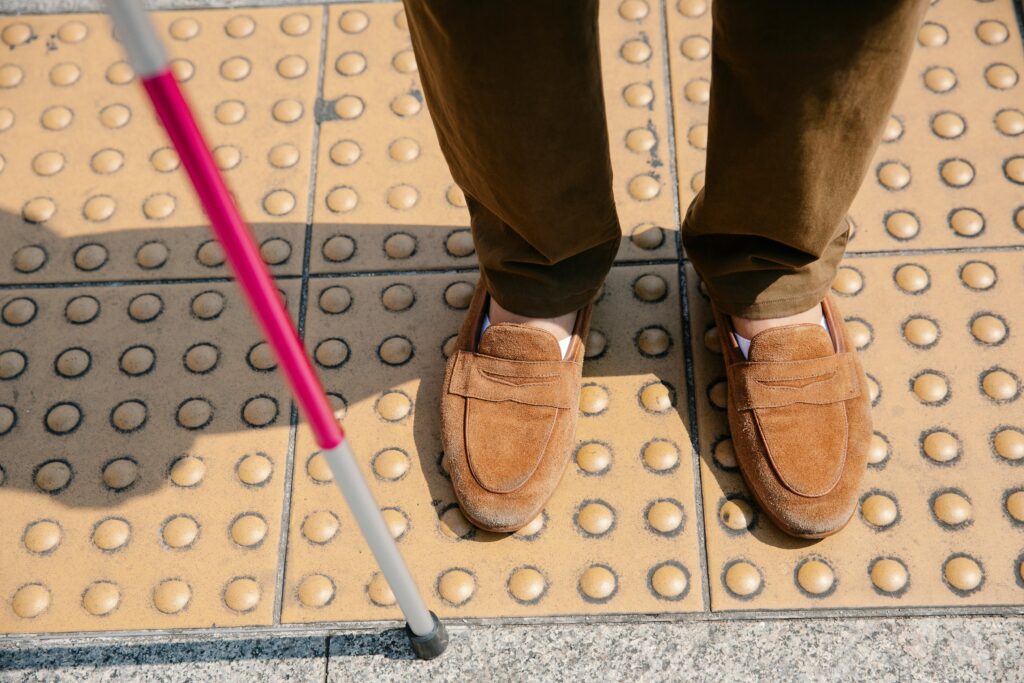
828	649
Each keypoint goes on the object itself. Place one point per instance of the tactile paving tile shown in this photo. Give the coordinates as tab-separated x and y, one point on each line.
91	189
620	534
942	506
385	199
142	459
950	169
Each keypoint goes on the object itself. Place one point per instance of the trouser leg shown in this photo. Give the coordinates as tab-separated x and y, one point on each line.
514	90
800	91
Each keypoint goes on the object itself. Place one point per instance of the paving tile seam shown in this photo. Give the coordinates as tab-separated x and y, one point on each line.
454	625
938	251
408	272
282	545
682	260
691	399
26	286
286	502
411	272
670	131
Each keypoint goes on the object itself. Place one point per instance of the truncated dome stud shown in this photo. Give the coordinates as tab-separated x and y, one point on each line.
456	586
660	455
53	476
455	525
180	531
12	364
889	576
101	598
598	583
595	518
187	471
815	577
669	581
42	537
111	534
120	473
316	591
879	510
951	508
527	585
320	527
665	517
932	35
725	454
963	573
379	591
593	399
248	530
172	596
743	579
593	458
1008	443
31	600
736	514
318	469
534	527
194	413
254	469
242	594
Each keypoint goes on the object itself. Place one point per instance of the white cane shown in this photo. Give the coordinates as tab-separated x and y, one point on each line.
427	634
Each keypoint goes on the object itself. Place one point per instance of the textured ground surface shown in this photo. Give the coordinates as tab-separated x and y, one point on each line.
890	649
200	501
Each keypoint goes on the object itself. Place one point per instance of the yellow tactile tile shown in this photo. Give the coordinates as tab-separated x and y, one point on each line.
142	459
385	199
91	189
941	510
956	134
689	58
635	84
123	509
620	534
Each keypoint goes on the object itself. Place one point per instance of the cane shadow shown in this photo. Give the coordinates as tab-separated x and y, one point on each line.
84	423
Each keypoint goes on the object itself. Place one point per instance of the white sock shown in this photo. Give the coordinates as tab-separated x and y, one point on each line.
744	343
563	344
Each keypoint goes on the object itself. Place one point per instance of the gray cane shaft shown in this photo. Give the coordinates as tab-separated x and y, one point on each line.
145	51
364	508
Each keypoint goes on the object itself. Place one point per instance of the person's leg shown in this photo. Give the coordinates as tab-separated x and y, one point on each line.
514	90
800	91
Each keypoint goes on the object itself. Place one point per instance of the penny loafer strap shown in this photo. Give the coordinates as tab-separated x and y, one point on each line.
819	381
540	383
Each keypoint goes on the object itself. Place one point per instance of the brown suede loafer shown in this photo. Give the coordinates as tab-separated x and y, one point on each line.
509	405
801	422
